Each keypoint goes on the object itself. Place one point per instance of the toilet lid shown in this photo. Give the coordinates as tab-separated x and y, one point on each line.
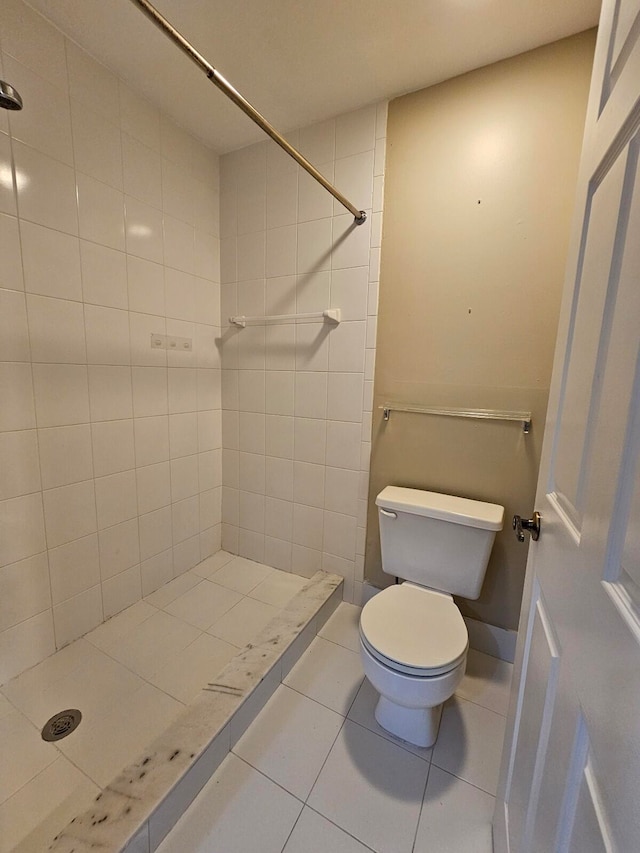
414	629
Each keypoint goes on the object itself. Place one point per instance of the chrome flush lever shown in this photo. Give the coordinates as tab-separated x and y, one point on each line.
531	525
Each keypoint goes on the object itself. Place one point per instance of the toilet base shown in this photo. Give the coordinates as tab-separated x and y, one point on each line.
418	726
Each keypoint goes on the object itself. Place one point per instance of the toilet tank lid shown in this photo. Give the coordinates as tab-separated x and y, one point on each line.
443	507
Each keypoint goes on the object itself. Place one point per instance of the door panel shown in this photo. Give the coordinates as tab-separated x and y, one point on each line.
571	771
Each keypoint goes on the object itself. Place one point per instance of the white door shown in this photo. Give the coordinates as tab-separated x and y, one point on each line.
570	778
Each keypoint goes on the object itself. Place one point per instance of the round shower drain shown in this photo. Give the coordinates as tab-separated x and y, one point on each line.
61	725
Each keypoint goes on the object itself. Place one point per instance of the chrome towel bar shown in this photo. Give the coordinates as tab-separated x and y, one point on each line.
484	414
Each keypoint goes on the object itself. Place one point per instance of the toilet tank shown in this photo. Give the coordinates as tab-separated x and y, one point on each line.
435	540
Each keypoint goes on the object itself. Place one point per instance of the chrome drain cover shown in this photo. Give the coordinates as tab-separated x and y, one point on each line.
61	725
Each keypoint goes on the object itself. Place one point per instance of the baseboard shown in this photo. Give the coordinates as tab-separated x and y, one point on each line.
497	642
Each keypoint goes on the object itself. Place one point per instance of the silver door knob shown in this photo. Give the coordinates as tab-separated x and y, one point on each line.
531	525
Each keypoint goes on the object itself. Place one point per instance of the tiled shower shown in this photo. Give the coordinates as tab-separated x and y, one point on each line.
126	247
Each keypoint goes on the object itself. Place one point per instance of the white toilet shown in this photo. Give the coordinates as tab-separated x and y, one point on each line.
413	639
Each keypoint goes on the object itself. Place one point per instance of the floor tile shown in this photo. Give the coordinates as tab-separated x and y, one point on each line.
371	788
279	588
91	688
184	674
212	564
455	817
44	795
203	604
238	811
243	622
362	712
487	682
469	743
172	590
157	638
342	627
122	735
119	626
315	834
5	706
53	668
328	673
242	575
290	740
23	755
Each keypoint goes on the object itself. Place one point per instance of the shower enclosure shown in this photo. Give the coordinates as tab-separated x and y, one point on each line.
140	431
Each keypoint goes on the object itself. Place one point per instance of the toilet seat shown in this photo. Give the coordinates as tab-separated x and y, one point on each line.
414	630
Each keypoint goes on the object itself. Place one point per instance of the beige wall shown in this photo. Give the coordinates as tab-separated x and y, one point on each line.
480	181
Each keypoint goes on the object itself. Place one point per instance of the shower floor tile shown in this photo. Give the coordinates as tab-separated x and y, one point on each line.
130	677
363	790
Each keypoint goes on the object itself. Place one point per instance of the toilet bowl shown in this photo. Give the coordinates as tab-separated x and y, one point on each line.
413	644
413	640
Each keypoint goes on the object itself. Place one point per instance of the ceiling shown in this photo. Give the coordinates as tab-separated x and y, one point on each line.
301	61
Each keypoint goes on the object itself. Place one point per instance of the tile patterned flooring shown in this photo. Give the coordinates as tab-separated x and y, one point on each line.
315	772
130	677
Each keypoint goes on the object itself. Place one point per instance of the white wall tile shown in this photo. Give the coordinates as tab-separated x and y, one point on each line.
346	347
310	395
308	483
26	644
183	434
51	262
312	346
349	292
179	244
142	171
16	390
184	477
110	392
116	498
251	251
185	518
46	190
146	286
281	251
341	490
153	486
65	455
19	464
156	571
310	438
113	447
155	532
144	235
317	142
354	176
24	590
7	187
22	528
314	245
307	526
96	145
107	332
74	567
14	332
343	444
282	198
92	83
104	275
121	591
340	535
345	395
251	432
78	615
57	330
61	394
351	242
150	395
314	202
11	274
119	548
100	212
279	436
69	512
46	125
139	118
279	478
31	39
356	131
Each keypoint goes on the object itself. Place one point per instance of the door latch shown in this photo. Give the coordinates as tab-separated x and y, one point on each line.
531	525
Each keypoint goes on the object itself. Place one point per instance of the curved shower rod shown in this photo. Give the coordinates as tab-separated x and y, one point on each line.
218	80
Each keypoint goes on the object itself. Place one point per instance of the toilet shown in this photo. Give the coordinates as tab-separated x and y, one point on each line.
413	639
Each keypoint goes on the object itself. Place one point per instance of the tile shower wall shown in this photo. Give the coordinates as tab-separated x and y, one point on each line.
297	398
109	449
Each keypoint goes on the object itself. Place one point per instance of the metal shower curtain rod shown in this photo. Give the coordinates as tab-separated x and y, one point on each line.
218	80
